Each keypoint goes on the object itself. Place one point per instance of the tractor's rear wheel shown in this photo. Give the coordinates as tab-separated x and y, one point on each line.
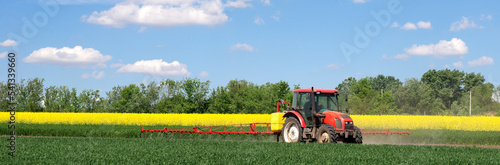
326	134
292	131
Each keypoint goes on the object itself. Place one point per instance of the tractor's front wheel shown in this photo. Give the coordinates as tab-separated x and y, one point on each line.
359	136
358	139
292	131
326	134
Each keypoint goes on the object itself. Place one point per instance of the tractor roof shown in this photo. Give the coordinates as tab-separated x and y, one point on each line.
316	90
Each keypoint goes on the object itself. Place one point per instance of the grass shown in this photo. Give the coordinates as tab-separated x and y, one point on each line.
57	150
127	131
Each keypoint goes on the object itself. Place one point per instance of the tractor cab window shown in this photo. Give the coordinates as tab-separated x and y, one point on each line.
302	101
324	102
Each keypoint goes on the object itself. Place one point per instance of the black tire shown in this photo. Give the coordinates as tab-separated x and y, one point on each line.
359	136
292	130
326	134
358	139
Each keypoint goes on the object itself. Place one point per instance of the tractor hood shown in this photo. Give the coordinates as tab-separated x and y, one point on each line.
337	115
337	119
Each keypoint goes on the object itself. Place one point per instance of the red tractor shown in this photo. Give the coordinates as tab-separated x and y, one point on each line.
316	115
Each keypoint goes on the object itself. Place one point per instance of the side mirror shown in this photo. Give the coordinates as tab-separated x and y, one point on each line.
347	110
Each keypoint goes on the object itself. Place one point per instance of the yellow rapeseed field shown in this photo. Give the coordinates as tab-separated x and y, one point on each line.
476	123
135	118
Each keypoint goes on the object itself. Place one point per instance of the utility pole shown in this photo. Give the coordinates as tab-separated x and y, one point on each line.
470	103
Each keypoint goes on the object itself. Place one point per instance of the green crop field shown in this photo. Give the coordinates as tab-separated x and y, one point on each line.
121	144
58	150
127	131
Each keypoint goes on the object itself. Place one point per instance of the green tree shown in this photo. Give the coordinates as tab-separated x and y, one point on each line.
65	99
219	102
346	85
196	93
361	102
416	98
52	99
4	102
385	105
385	83
127	101
171	99
75	102
151	97
472	80
446	84
90	101
33	91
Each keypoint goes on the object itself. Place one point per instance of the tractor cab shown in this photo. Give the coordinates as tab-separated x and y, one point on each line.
324	100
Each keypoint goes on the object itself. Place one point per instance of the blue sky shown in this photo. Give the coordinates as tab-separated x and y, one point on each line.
91	44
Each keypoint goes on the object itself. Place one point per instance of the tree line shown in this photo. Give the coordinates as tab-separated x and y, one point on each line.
437	92
189	95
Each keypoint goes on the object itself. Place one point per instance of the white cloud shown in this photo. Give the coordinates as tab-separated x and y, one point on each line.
83	18
258	21
409	26
116	65
204	74
432	65
402	57
463	24
276	16
98	75
413	26
458	64
238	4
79	2
394	25
398	56
142	29
481	61
3	54
85	76
424	25
242	46
486	17
95	74
454	47
65	56
489	17
8	43
157	68
266	2
161	13
360	1
334	66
